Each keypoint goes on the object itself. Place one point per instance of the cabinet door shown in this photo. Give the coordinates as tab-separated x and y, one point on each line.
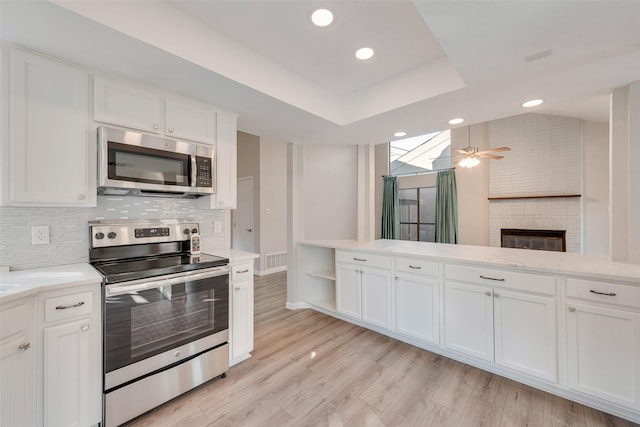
604	353
51	155
67	373
226	162
525	333
124	104
188	120
417	308
348	290
376	296
469	319
242	321
16	393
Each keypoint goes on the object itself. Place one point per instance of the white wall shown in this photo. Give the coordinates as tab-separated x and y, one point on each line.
330	192
473	187
595	189
273	199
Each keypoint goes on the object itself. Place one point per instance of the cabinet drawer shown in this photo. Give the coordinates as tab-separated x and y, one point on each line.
417	266
13	320
361	258
508	279
68	306
241	272
610	293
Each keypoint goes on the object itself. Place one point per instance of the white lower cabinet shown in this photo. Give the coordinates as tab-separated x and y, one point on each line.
363	288
17	400
603	341
416	301
241	328
469	320
513	329
71	385
67	369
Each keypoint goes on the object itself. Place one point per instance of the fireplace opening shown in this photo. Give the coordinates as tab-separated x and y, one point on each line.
541	240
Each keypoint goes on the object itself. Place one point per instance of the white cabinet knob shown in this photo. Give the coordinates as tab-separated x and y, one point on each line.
84	328
156	126
81	196
171	130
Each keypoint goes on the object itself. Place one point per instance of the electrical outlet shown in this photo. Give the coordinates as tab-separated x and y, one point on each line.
40	235
217	227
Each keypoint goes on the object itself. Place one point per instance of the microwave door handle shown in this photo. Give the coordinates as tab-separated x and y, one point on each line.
194	171
146	284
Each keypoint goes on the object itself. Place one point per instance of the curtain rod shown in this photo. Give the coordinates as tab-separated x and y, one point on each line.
421	173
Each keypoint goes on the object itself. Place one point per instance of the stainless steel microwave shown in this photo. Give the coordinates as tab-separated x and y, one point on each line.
137	164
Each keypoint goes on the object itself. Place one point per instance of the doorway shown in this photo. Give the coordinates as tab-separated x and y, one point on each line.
243	227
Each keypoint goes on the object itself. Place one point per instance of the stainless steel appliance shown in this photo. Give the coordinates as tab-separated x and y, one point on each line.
166	314
132	163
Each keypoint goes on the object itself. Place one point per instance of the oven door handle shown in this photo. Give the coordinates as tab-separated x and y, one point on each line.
174	279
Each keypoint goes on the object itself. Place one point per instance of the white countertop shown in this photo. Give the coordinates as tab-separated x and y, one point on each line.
22	283
542	261
234	255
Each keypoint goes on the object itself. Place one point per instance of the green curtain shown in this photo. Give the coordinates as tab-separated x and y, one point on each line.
446	207
390	210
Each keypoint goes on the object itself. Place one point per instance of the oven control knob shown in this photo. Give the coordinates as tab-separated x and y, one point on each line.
186	231
99	236
194	231
111	235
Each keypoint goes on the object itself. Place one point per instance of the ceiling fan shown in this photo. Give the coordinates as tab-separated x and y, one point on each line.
471	155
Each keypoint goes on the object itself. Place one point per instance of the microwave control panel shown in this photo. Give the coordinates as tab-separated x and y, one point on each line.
204	172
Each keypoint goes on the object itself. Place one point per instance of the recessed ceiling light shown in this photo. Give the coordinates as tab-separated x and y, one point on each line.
364	53
532	103
456	121
398	134
322	17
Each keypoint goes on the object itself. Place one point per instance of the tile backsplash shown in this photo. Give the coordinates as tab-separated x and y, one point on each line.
69	232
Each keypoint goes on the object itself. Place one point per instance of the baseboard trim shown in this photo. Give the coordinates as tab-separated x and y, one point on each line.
297	305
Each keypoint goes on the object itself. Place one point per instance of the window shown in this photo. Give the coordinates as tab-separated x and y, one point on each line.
418	214
419	154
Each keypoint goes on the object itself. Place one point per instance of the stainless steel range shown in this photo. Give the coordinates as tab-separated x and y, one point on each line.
166	313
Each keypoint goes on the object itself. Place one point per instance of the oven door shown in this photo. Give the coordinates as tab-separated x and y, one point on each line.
151	324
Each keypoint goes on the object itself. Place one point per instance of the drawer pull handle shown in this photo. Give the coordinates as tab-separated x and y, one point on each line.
84	328
487	293
24	347
491	278
242	271
360	259
496	295
64	307
572	309
608	294
415	267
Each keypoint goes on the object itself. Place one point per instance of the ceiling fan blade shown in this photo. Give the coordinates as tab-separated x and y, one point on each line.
461	151
489	156
493	150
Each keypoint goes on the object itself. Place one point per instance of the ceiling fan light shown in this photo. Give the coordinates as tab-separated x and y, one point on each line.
364	53
469	162
456	121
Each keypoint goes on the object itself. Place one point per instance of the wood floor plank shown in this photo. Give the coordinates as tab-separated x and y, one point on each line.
310	369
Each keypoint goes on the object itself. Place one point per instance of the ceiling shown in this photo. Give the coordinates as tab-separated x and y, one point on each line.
293	82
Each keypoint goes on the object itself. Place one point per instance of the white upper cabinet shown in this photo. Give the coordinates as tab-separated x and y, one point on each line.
226	165
188	119
120	103
134	106
49	155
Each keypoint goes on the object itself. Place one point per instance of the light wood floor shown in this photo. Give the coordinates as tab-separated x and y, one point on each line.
309	369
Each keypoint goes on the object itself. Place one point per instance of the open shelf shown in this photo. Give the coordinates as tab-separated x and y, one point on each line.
331	275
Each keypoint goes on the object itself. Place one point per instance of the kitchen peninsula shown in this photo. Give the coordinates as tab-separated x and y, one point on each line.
565	323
